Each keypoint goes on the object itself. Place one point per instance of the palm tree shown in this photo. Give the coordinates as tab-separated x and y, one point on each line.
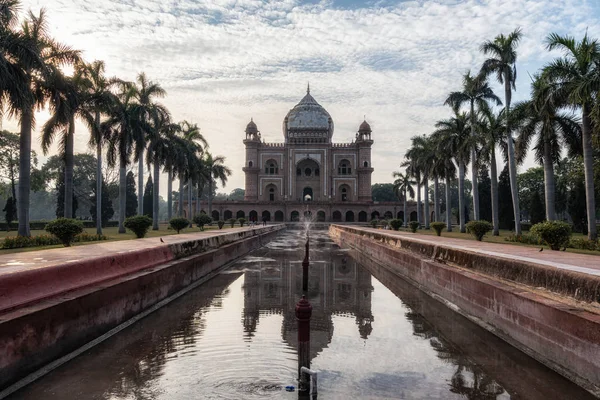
120	129
421	157
492	128
145	92
575	78
540	118
157	154
175	162
437	170
476	92
30	61
454	138
502	63
216	170
403	187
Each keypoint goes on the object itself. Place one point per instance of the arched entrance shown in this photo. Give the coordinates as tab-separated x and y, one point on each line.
388	215
279	216
227	215
307	194
336	216
374	215
215	215
349	216
400	215
295	216
413	216
240	214
308	176
362	216
253	216
307	215
321	216
266	215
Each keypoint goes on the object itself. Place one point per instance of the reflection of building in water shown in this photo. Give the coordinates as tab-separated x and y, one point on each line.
337	286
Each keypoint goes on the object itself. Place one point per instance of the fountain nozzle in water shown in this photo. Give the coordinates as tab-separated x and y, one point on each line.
305	264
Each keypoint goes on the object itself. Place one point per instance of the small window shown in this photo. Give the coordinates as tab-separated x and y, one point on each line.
298	172
344	194
250	163
272	194
307	171
344	168
316	171
271	169
366	164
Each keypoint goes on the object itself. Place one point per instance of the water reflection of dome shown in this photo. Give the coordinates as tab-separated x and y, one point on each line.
336	287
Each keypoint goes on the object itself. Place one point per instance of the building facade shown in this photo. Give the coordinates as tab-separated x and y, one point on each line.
308	174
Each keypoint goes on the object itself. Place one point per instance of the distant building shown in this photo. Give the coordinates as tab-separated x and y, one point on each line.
308	173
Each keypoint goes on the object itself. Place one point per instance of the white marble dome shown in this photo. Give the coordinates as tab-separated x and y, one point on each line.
310	117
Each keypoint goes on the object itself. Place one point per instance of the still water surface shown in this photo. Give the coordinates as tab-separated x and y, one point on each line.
235	337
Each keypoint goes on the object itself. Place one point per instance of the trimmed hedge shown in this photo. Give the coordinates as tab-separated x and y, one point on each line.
232	221
179	223
221	223
396	224
526	238
17	242
555	234
479	228
138	224
65	229
438	227
242	221
374	223
202	219
414	225
41	225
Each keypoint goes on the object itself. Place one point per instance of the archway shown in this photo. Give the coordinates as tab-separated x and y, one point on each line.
336	216
307	215
362	216
388	215
307	194
400	215
266	215
349	216
270	192
240	214
375	215
344	193
227	215
321	216
253	216
413	216
295	216
215	215
279	216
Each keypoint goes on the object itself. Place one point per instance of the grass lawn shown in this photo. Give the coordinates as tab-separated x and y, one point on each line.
112	234
455	234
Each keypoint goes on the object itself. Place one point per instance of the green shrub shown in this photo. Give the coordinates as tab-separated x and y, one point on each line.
555	234
221	223
374	223
526	238
525	226
179	223
396	224
202	219
479	228
242	221
138	224
414	225
438	227
232	222
384	223
65	229
86	237
17	242
584	244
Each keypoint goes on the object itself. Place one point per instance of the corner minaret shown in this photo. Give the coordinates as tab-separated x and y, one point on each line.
251	166
364	168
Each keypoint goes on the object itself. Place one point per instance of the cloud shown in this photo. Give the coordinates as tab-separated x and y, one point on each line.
225	61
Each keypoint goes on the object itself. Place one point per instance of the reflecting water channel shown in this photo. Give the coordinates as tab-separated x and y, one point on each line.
373	336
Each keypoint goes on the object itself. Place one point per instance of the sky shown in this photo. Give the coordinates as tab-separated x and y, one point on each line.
223	62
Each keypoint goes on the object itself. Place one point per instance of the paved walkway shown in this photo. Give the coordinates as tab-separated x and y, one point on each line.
29	260
588	264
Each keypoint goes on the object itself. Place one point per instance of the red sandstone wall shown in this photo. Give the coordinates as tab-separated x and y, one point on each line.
60	319
564	337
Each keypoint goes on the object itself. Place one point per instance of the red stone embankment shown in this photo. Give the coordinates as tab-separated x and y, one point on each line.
54	301
550	313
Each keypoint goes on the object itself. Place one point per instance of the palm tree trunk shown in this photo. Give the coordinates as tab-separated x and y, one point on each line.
461	196
549	184
141	184
426	195
155	196
190	215
474	178
448	205
180	205
169	195
68	209
122	194
436	198
25	171
419	200
512	166
210	183
405	201
198	195
98	179
588	168
494	177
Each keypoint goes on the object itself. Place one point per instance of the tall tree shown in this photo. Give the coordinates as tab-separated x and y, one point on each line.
106	208
9	165
575	78
60	198
131	196
485	194
502	63
505	209
148	197
540	119
216	170
454	138
30	61
476	92
403	187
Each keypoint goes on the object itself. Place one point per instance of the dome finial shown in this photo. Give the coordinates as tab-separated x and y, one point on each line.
308	88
